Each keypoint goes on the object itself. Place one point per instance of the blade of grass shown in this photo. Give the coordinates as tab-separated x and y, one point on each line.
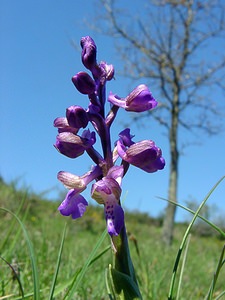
17	234
100	254
220	296
31	253
67	284
6	297
57	264
60	288
199	216
172	283
80	276
216	275
182	267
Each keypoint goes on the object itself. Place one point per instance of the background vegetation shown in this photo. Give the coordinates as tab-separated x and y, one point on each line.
152	260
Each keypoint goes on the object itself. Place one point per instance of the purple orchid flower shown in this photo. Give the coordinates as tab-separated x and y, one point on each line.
139	100
107	176
107	191
144	155
75	204
73	145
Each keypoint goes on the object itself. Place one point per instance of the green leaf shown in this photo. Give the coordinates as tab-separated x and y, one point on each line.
188	230
123	286
123	279
57	264
221	262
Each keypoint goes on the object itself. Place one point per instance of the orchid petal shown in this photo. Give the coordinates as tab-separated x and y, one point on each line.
74	204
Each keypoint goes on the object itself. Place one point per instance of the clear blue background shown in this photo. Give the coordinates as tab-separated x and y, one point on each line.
38	57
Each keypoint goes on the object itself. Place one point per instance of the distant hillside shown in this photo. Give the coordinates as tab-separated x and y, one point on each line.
21	200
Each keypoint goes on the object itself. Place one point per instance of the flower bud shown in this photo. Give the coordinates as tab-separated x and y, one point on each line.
89	51
108	70
77	117
84	83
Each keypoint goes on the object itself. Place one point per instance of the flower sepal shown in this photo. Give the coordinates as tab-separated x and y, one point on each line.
139	100
144	154
72	145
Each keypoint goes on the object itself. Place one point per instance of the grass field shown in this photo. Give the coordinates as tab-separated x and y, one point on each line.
44	227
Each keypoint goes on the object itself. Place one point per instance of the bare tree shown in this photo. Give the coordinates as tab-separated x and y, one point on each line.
178	46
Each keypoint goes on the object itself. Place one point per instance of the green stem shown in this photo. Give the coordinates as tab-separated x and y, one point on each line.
123	274
122	261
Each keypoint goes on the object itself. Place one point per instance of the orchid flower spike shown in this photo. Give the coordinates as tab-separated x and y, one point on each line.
74	138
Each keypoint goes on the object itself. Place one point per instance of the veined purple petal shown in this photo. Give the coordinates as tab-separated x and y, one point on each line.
71	181
61	122
63	125
144	155
105	187
140	99
74	205
154	166
79	183
107	191
141	151
73	145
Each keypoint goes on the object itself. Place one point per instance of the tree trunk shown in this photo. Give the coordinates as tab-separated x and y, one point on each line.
168	222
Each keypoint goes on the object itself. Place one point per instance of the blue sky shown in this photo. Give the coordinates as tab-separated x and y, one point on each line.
37	62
